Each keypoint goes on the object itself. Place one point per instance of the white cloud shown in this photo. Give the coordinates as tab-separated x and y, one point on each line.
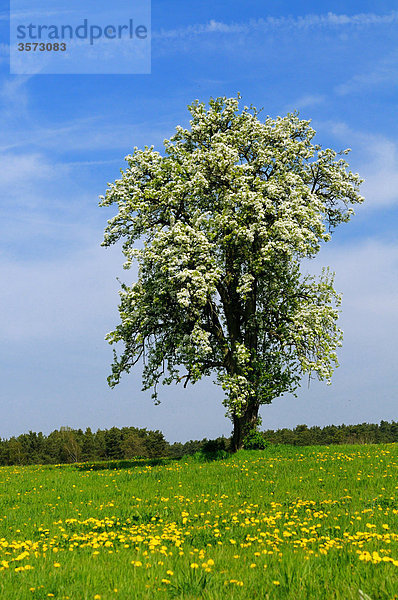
307	21
32	181
364	386
376	157
14	100
90	133
304	102
60	299
310	100
20	170
21	128
381	174
367	275
384	71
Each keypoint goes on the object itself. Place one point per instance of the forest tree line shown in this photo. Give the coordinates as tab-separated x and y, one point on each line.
68	445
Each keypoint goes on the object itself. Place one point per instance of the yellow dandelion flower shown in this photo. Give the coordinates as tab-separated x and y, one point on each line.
194	565
136	563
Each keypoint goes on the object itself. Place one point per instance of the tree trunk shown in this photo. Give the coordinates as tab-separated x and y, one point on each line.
243	424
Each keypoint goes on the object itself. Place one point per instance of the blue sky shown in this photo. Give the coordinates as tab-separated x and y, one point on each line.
63	137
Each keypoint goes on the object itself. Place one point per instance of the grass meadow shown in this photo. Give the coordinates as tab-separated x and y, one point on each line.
283	523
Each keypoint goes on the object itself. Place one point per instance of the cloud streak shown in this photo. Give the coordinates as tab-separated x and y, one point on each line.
60	299
377	165
385	71
271	23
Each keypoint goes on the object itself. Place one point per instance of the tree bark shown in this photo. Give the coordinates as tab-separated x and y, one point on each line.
243	424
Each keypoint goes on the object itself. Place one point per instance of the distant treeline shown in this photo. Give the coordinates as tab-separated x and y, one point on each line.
365	433
68	445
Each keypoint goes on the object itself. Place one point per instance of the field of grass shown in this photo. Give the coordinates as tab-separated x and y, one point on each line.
284	523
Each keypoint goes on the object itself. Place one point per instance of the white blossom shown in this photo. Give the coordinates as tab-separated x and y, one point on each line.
218	226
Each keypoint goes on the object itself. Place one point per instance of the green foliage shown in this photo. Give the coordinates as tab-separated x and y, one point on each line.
255	440
68	445
113	443
364	433
214	449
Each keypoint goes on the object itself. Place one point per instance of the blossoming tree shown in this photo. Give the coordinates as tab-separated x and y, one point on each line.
219	224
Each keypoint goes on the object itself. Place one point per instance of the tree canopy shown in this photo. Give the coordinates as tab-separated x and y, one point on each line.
219	225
